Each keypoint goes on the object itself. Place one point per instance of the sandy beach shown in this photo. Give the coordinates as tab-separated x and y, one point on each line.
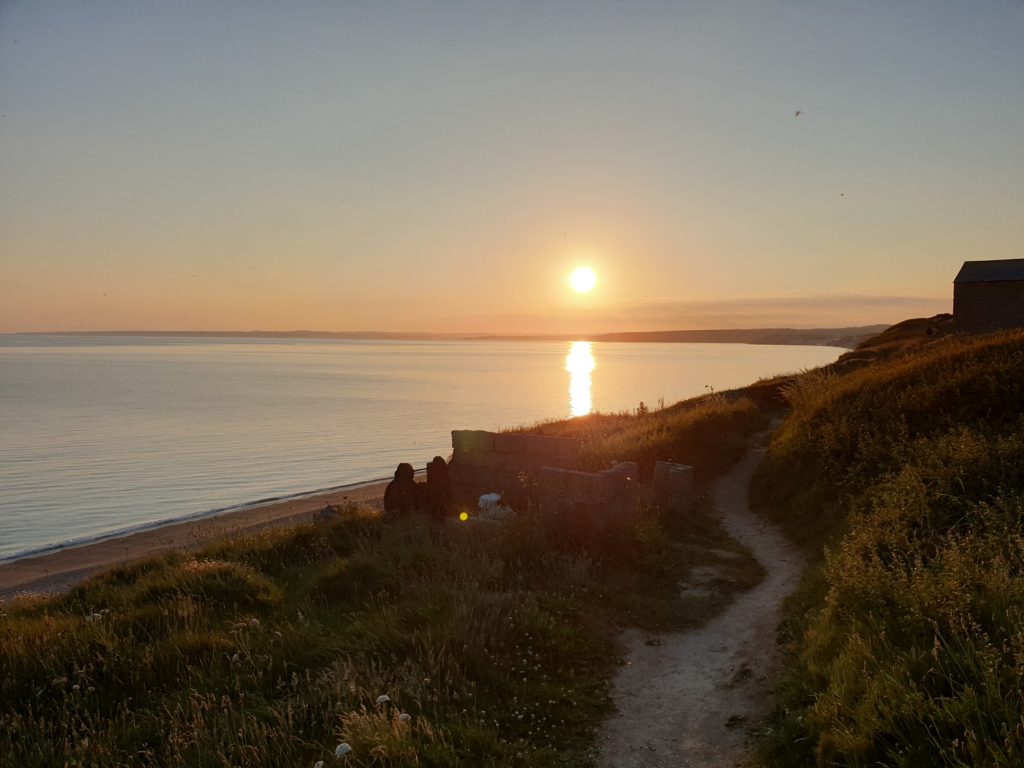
61	569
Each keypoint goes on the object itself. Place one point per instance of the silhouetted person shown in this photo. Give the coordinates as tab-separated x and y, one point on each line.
400	495
439	487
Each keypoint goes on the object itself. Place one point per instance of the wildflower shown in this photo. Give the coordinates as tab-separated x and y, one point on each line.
254	623
93	617
383	699
319	764
342	750
74	687
404	717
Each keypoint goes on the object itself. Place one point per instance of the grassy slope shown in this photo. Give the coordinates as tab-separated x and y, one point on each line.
908	641
499	644
708	433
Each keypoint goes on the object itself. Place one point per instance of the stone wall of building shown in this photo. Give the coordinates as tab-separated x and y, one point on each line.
988	307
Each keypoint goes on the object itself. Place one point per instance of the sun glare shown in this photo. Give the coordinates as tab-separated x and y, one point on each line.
580	364
583	279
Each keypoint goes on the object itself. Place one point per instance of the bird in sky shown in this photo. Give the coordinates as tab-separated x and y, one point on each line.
798	113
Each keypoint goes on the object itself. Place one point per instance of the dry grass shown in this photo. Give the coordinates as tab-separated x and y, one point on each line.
493	647
908	643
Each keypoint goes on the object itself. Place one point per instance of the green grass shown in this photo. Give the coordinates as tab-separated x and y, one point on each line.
906	477
709	433
498	643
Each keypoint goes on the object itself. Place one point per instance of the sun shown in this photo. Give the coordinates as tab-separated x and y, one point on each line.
583	279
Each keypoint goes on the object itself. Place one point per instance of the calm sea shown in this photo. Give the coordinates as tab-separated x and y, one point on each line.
99	435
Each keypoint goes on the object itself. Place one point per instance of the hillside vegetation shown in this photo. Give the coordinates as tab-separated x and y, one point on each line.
709	433
908	641
492	646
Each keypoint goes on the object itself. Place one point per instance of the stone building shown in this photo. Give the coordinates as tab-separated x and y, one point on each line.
989	296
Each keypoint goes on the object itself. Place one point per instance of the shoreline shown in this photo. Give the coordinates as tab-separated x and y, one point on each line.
60	567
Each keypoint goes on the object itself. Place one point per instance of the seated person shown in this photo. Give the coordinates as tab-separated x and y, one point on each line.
400	495
439	488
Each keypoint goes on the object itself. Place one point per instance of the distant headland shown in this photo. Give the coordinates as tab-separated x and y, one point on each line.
848	337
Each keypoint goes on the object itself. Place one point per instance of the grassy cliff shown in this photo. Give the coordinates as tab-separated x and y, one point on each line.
493	647
708	432
906	477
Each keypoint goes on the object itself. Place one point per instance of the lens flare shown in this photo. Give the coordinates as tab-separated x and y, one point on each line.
463	516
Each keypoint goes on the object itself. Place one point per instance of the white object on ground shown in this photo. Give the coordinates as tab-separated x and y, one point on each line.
492	509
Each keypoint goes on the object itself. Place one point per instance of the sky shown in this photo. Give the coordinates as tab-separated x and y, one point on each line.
443	166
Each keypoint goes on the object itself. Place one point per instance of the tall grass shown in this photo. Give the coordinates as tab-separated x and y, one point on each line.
908	647
493	646
709	433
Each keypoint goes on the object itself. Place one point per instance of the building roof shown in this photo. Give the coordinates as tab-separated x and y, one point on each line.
994	271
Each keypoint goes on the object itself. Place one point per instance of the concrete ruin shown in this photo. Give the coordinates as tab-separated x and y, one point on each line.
543	472
483	462
673	487
605	497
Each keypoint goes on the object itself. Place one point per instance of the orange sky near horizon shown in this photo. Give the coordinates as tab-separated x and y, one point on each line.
443	169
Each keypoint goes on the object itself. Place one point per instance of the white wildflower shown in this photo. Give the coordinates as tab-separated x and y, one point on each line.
405	717
319	764
254	623
383	699
342	750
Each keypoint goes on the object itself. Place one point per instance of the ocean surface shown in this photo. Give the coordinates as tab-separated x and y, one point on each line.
103	434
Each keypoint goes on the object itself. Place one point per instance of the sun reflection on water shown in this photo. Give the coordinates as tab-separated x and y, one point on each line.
580	364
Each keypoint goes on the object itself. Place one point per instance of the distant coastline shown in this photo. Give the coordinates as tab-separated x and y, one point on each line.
848	337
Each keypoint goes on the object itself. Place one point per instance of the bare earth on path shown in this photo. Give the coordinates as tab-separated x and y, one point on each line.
690	699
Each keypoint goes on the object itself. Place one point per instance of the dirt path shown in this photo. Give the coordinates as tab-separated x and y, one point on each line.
691	700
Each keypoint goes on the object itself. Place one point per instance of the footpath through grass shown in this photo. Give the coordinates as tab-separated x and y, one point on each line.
492	647
908	640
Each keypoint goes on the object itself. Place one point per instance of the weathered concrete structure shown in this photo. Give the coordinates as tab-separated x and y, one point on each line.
989	296
543	472
673	487
507	463
607	497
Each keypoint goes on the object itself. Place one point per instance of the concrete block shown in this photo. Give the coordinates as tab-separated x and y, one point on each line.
520	444
627	470
673	486
471	441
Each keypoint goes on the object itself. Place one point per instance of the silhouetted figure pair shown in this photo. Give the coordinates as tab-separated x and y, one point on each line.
404	494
